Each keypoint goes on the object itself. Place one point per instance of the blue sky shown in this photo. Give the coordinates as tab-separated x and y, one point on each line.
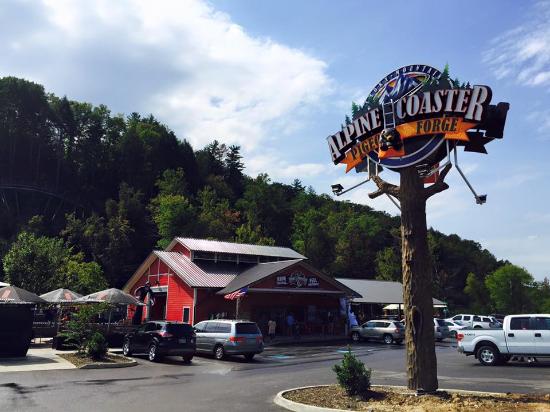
278	77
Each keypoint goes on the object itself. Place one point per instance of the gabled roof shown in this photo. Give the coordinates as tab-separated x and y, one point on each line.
377	291
212	276
257	273
204	245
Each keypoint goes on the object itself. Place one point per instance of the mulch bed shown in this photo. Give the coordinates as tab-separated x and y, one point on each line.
79	361
386	399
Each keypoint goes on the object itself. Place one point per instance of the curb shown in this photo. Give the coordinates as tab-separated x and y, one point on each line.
281	401
109	365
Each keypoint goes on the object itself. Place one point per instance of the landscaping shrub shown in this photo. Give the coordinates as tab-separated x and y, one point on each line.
82	330
96	346
353	376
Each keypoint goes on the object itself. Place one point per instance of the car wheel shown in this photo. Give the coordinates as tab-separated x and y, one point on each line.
488	356
249	356
153	352
187	358
219	353
477	327
388	340
355	337
126	351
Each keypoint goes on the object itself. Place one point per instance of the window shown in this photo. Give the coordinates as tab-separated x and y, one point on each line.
211	327
477	319
179	330
246	329
149	327
186	315
466	317
449	323
224	328
199	327
457	317
369	325
542	323
488	320
519	324
398	325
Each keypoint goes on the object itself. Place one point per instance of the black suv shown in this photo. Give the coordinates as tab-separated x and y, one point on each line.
160	338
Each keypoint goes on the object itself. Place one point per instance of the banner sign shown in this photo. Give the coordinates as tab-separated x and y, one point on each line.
297	280
408	116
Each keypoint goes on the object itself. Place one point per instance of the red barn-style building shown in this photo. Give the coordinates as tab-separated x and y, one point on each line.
191	277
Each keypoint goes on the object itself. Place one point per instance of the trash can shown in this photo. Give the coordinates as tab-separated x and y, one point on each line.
15	329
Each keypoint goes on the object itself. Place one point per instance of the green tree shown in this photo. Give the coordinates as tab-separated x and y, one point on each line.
172	182
81	277
245	233
216	219
388	264
476	290
174	216
33	262
510	289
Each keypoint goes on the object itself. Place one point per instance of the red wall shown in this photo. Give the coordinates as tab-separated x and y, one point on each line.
178	247
179	295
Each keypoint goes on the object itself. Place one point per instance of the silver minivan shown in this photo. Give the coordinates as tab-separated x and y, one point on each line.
221	337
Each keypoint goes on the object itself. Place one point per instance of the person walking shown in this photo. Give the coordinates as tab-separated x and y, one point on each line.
290	324
271	329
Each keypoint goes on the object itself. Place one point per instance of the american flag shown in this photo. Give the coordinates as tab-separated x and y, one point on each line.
237	294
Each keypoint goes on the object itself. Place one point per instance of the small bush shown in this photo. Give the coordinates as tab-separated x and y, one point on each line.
96	346
353	376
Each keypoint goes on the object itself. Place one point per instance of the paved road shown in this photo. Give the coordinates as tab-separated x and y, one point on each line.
236	385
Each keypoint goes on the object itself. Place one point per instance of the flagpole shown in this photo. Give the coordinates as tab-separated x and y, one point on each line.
237	308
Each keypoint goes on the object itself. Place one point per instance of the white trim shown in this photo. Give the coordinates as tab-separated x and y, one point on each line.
194	305
183	311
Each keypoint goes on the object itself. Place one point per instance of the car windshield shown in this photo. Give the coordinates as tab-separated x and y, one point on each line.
440	322
398	325
247	329
179	329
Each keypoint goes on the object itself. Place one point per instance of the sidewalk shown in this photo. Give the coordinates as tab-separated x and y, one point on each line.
37	359
289	340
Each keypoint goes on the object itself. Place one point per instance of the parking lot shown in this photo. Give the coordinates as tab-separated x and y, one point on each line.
235	384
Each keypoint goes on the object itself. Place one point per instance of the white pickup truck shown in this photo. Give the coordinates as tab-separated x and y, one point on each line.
527	335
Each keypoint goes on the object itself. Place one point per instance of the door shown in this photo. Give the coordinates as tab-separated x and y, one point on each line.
542	335
137	339
200	331
209	340
367	330
520	336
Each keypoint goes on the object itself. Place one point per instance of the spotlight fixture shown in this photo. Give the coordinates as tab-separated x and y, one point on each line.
337	189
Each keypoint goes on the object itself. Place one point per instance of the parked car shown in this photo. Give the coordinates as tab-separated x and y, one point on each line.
389	331
222	337
472	321
454	327
523	335
160	338
441	330
495	323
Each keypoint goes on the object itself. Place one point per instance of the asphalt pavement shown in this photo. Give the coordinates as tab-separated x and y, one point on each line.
236	385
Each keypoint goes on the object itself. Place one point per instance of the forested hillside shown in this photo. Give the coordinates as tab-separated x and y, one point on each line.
87	194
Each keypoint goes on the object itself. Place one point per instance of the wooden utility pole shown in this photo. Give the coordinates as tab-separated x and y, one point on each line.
417	273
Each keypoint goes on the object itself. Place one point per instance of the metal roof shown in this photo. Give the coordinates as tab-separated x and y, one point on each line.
256	273
377	291
205	245
211	276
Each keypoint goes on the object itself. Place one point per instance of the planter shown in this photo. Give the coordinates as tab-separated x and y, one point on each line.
16	329
331	398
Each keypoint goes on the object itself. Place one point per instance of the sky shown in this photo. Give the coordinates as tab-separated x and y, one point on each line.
278	77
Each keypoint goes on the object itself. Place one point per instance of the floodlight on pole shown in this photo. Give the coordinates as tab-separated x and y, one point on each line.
338	189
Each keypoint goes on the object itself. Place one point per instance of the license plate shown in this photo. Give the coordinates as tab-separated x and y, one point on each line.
182	340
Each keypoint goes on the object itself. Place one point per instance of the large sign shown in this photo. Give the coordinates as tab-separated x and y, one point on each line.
408	117
297	280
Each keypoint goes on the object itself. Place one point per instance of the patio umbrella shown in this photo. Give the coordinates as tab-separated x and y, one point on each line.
2	284
61	296
15	295
113	296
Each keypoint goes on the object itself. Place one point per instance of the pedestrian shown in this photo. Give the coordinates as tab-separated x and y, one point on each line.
271	329
290	323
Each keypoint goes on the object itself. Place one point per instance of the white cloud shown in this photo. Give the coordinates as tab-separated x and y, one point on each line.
523	53
282	170
182	60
